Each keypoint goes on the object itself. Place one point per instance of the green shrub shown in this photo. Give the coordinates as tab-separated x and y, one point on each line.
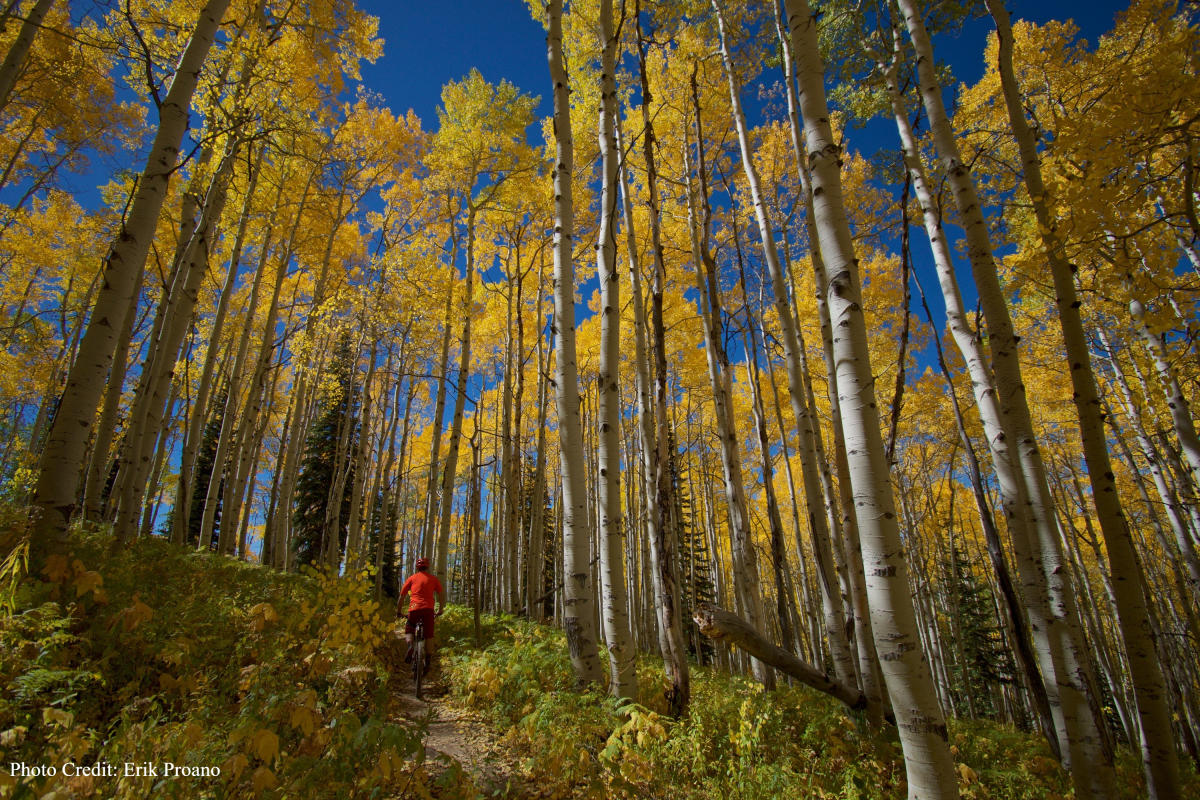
160	654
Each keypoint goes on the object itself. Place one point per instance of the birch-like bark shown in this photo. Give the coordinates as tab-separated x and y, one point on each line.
230	413
660	540
929	766
1170	503
18	51
843	526
1157	744
622	656
59	466
745	558
835	617
450	466
355	546
199	410
1078	728
98	467
429	522
149	405
577	577
535	584
997	432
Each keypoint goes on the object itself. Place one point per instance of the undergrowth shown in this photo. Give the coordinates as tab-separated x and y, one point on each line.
736	741
160	655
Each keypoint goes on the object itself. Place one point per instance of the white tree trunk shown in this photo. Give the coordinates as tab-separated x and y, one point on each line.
1145	672
835	613
922	726
577	578
1078	728
663	581
61	461
622	654
14	60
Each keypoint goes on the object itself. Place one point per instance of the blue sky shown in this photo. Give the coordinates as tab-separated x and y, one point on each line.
428	44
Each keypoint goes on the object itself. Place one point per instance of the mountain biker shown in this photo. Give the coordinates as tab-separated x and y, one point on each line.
423	586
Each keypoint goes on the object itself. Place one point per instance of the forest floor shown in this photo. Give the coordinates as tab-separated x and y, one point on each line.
455	737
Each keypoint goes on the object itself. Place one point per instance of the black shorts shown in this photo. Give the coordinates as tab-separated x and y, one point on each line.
424	615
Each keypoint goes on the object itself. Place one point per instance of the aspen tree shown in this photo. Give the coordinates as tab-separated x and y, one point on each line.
1079	728
149	403
666	541
663	582
805	423
929	767
577	576
1145	671
199	410
61	461
14	59
617	634
997	430
745	558
839	504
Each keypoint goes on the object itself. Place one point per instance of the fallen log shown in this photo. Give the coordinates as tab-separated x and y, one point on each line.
719	624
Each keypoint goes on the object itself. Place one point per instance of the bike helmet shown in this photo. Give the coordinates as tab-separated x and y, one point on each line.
422	563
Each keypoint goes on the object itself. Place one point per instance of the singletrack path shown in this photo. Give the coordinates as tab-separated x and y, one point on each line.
453	735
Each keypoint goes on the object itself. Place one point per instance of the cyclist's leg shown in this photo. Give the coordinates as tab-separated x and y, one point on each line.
408	637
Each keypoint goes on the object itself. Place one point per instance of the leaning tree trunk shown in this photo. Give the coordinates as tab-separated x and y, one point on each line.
1079	735
61	461
577	578
1145	671
929	765
622	655
149	404
14	60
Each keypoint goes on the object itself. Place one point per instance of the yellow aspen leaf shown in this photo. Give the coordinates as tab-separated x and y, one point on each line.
136	614
262	779
57	569
56	716
262	615
304	719
87	581
13	736
966	775
234	766
264	744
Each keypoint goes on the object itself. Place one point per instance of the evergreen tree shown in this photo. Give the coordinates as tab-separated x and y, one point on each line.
202	476
985	659
324	457
695	561
379	526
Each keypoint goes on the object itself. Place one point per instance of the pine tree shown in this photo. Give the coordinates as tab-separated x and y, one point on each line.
205	465
695	560
380	526
338	407
985	658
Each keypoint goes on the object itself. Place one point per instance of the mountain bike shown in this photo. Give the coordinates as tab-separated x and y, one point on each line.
419	666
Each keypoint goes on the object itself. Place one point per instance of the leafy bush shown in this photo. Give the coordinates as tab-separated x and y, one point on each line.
736	742
160	654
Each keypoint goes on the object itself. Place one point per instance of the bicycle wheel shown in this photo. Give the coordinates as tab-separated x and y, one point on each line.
418	666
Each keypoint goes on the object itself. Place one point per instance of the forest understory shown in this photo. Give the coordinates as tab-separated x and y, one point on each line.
793	398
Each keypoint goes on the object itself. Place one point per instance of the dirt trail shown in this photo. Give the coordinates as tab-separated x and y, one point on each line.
455	734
